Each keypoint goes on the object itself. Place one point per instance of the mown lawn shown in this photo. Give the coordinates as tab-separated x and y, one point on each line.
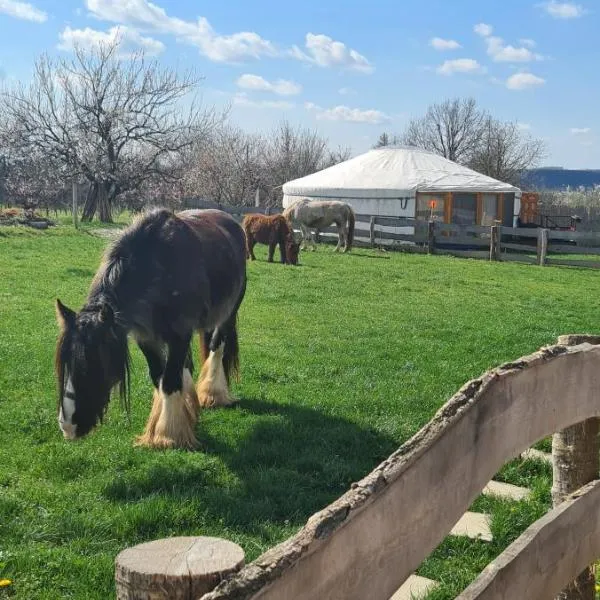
343	358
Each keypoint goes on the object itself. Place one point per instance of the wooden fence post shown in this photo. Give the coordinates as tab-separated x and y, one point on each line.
495	242
575	463
75	201
178	567
542	246
431	237
372	231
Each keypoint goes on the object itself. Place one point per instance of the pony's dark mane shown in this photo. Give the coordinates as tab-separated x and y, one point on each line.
109	294
110	284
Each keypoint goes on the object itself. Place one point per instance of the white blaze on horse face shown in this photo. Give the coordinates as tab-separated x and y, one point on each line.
67	410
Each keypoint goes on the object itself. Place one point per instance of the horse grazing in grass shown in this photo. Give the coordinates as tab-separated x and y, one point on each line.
164	277
320	214
271	230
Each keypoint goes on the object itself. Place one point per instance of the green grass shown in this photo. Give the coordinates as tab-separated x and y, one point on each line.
343	358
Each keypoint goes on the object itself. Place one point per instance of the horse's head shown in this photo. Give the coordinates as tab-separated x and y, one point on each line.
292	251
91	358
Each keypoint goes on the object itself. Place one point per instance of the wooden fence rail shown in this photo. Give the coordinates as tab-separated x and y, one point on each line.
370	540
499	243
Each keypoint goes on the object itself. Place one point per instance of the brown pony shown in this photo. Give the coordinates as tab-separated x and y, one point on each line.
271	230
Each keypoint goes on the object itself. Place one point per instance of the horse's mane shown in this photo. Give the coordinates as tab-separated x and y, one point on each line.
138	238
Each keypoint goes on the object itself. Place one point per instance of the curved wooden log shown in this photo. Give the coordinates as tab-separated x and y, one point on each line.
179	568
547	554
367	543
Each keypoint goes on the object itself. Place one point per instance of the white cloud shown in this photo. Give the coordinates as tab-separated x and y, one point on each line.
563	10
483	29
580	130
130	40
523	81
523	126
346	91
460	65
345	113
242	99
150	17
441	44
528	42
499	52
22	10
323	51
282	87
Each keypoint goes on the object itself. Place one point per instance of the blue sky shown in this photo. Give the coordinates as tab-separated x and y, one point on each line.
351	69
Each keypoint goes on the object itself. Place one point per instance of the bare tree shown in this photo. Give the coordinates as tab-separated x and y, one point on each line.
452	129
385	139
505	151
292	153
115	123
224	167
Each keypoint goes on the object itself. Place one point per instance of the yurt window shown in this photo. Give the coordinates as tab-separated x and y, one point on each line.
489	209
430	206
464	208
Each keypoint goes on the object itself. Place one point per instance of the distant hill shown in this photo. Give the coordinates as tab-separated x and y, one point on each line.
556	178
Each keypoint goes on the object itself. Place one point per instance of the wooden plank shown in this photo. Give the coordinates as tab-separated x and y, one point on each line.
463	240
589	264
519	247
574	235
520	231
415	588
506	491
462	229
563	248
407	237
474	525
447	463
395	221
463	253
549	554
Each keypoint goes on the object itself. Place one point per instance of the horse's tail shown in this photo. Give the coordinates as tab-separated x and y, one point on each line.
351	222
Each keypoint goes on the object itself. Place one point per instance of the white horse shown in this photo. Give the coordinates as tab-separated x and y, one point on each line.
320	214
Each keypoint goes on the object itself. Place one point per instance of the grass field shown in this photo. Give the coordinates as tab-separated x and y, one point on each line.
343	358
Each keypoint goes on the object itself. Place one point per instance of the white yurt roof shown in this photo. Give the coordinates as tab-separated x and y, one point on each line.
392	172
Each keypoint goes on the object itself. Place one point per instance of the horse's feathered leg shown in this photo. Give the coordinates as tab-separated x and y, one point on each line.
221	363
175	410
213	388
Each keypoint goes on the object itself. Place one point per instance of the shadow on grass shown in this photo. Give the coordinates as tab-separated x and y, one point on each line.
292	462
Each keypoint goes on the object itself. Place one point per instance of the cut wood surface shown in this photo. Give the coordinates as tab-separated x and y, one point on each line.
179	568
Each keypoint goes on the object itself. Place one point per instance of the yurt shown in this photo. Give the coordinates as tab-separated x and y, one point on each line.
414	183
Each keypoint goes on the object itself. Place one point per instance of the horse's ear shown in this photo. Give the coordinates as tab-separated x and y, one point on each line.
65	316
107	314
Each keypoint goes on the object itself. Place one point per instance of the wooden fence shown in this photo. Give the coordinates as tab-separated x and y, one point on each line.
523	244
370	540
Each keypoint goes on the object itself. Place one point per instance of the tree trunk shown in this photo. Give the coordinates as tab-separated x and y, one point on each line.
97	200
575	459
104	204
91	203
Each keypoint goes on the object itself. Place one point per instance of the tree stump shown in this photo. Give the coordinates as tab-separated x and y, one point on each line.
178	568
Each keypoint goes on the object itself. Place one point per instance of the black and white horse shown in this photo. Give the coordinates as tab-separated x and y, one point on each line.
165	277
